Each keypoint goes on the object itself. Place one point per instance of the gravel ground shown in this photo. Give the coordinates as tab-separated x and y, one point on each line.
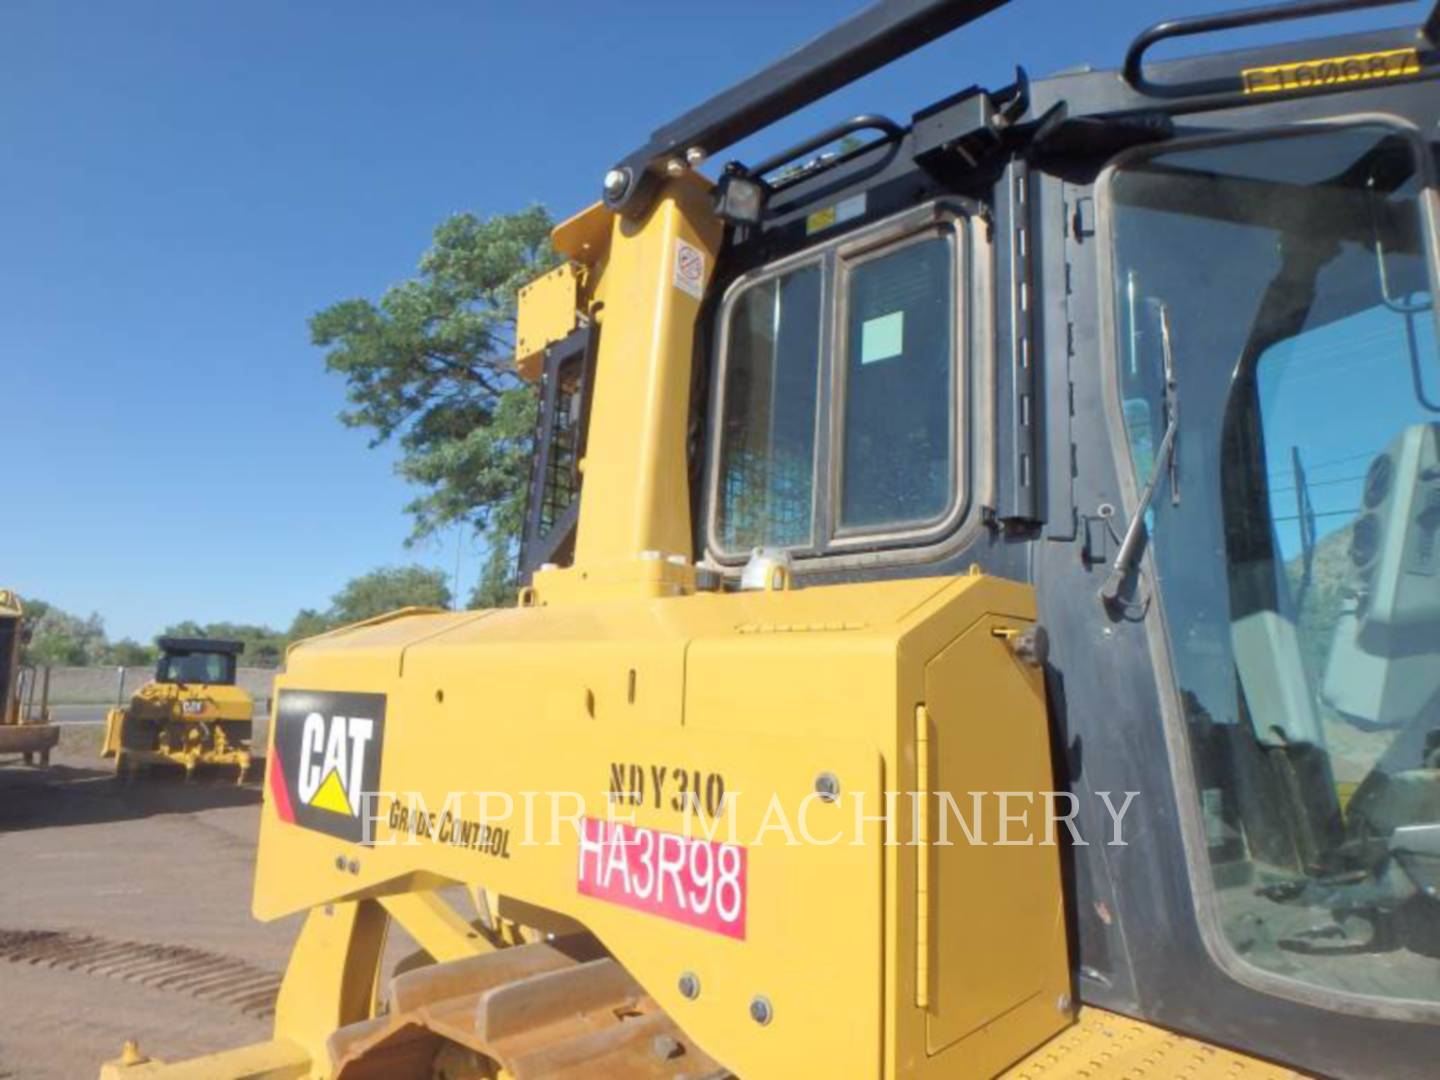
161	863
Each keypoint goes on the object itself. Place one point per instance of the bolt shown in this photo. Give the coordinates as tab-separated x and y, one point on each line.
617	182
827	786
689	986
666	1047
675	167
339	862
761	1010
354	866
694	156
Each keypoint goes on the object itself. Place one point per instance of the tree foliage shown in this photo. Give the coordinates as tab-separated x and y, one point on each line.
430	368
60	638
388	589
308	622
127	652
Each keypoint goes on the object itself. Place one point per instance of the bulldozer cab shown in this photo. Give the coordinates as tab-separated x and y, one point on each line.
202	661
1071	442
1161	341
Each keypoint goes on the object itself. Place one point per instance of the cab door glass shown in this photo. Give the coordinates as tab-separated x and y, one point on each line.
898	419
1298	549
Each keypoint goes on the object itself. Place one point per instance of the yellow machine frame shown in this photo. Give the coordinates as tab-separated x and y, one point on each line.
25	729
886	954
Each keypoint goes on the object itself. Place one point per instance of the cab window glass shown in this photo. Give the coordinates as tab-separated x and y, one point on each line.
837	414
767	449
211	668
1297	552
898	434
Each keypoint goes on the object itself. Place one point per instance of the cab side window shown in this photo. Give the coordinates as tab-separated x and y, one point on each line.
898	431
840	390
767	448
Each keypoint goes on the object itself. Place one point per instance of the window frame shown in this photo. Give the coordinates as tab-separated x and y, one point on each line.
829	543
1204	899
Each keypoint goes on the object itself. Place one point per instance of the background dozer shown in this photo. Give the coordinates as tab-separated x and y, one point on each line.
982	613
190	714
25	727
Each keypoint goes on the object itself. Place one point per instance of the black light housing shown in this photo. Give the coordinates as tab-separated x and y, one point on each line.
740	197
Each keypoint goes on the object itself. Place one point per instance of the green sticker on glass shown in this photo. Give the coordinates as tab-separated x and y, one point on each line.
882	337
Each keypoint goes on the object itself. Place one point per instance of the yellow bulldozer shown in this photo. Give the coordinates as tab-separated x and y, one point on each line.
905	683
25	727
190	714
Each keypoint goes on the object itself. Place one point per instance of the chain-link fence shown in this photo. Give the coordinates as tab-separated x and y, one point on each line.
114	685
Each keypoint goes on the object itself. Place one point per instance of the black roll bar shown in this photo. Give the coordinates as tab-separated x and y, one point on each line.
868	40
1230	20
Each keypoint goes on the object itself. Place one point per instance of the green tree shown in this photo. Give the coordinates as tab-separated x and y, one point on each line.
62	639
307	623
127	652
497	582
430	367
388	588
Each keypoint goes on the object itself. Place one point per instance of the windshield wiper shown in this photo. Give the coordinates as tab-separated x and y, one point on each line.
1305	515
1165	463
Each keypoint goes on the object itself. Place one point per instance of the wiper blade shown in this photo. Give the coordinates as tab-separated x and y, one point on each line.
1166	464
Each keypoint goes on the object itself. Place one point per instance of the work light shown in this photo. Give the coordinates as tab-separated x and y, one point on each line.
740	199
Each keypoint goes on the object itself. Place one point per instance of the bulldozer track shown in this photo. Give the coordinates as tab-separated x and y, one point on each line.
196	973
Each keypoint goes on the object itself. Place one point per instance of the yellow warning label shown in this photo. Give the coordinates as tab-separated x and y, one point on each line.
820	219
1331	72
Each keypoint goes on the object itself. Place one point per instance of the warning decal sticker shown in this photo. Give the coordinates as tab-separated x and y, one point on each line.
689	269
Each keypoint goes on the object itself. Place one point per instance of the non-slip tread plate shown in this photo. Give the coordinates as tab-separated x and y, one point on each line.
1105	1046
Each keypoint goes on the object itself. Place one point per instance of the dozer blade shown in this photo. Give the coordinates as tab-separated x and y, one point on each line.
274	1060
535	1010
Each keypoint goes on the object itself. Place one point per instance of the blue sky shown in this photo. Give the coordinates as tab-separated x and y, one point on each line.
185	182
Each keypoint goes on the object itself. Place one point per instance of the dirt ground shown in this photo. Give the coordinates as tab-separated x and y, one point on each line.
113	870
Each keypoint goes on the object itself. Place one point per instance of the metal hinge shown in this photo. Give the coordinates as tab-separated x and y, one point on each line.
1022	502
922	868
